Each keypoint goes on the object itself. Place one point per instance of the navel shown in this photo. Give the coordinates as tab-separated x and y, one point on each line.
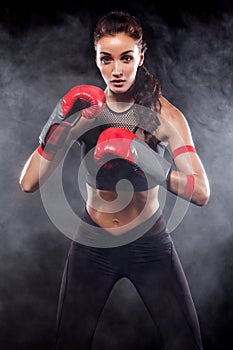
115	222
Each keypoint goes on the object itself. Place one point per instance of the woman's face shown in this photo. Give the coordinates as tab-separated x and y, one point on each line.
118	58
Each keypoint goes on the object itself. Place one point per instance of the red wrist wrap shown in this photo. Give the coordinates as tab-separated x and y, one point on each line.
189	186
183	149
41	151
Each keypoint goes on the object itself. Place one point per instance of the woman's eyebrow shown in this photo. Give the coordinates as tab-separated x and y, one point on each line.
125	52
105	53
109	54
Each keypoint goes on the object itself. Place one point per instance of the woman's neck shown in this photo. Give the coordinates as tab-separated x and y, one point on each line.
119	102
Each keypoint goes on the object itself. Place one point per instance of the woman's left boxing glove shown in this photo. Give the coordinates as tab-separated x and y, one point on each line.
122	143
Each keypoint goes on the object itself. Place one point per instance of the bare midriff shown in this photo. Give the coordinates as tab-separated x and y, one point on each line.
118	212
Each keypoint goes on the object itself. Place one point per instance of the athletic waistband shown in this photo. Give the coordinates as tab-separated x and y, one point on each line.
91	234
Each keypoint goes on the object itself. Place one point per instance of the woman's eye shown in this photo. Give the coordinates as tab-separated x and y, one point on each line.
127	58
105	60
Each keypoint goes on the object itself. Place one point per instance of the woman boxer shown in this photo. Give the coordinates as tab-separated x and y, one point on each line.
121	132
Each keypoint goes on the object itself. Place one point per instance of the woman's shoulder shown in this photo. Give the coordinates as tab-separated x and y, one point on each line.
170	117
169	111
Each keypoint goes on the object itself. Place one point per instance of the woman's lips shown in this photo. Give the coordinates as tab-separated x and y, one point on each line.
117	82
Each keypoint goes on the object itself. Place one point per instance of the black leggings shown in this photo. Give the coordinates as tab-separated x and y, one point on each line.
152	265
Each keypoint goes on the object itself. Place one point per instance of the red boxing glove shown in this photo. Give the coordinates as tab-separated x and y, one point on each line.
124	144
115	141
88	96
82	100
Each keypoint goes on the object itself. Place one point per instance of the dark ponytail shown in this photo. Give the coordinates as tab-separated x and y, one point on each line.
146	93
147	89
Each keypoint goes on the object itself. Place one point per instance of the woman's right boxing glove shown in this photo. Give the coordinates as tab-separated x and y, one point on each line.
87	101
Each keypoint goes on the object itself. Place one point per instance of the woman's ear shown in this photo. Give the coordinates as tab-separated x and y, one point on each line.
96	62
142	56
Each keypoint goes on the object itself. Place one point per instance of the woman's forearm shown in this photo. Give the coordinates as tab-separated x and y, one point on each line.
37	169
200	193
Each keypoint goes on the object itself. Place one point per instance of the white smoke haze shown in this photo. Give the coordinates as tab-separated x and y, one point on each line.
197	74
195	67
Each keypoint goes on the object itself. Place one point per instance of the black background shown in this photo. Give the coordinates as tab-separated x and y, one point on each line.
45	50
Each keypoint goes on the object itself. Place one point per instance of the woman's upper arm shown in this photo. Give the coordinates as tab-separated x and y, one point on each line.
177	133
175	130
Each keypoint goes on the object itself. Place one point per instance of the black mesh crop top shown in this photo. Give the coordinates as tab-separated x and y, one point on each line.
110	177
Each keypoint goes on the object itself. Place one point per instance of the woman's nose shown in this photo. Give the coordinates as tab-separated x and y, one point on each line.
117	69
